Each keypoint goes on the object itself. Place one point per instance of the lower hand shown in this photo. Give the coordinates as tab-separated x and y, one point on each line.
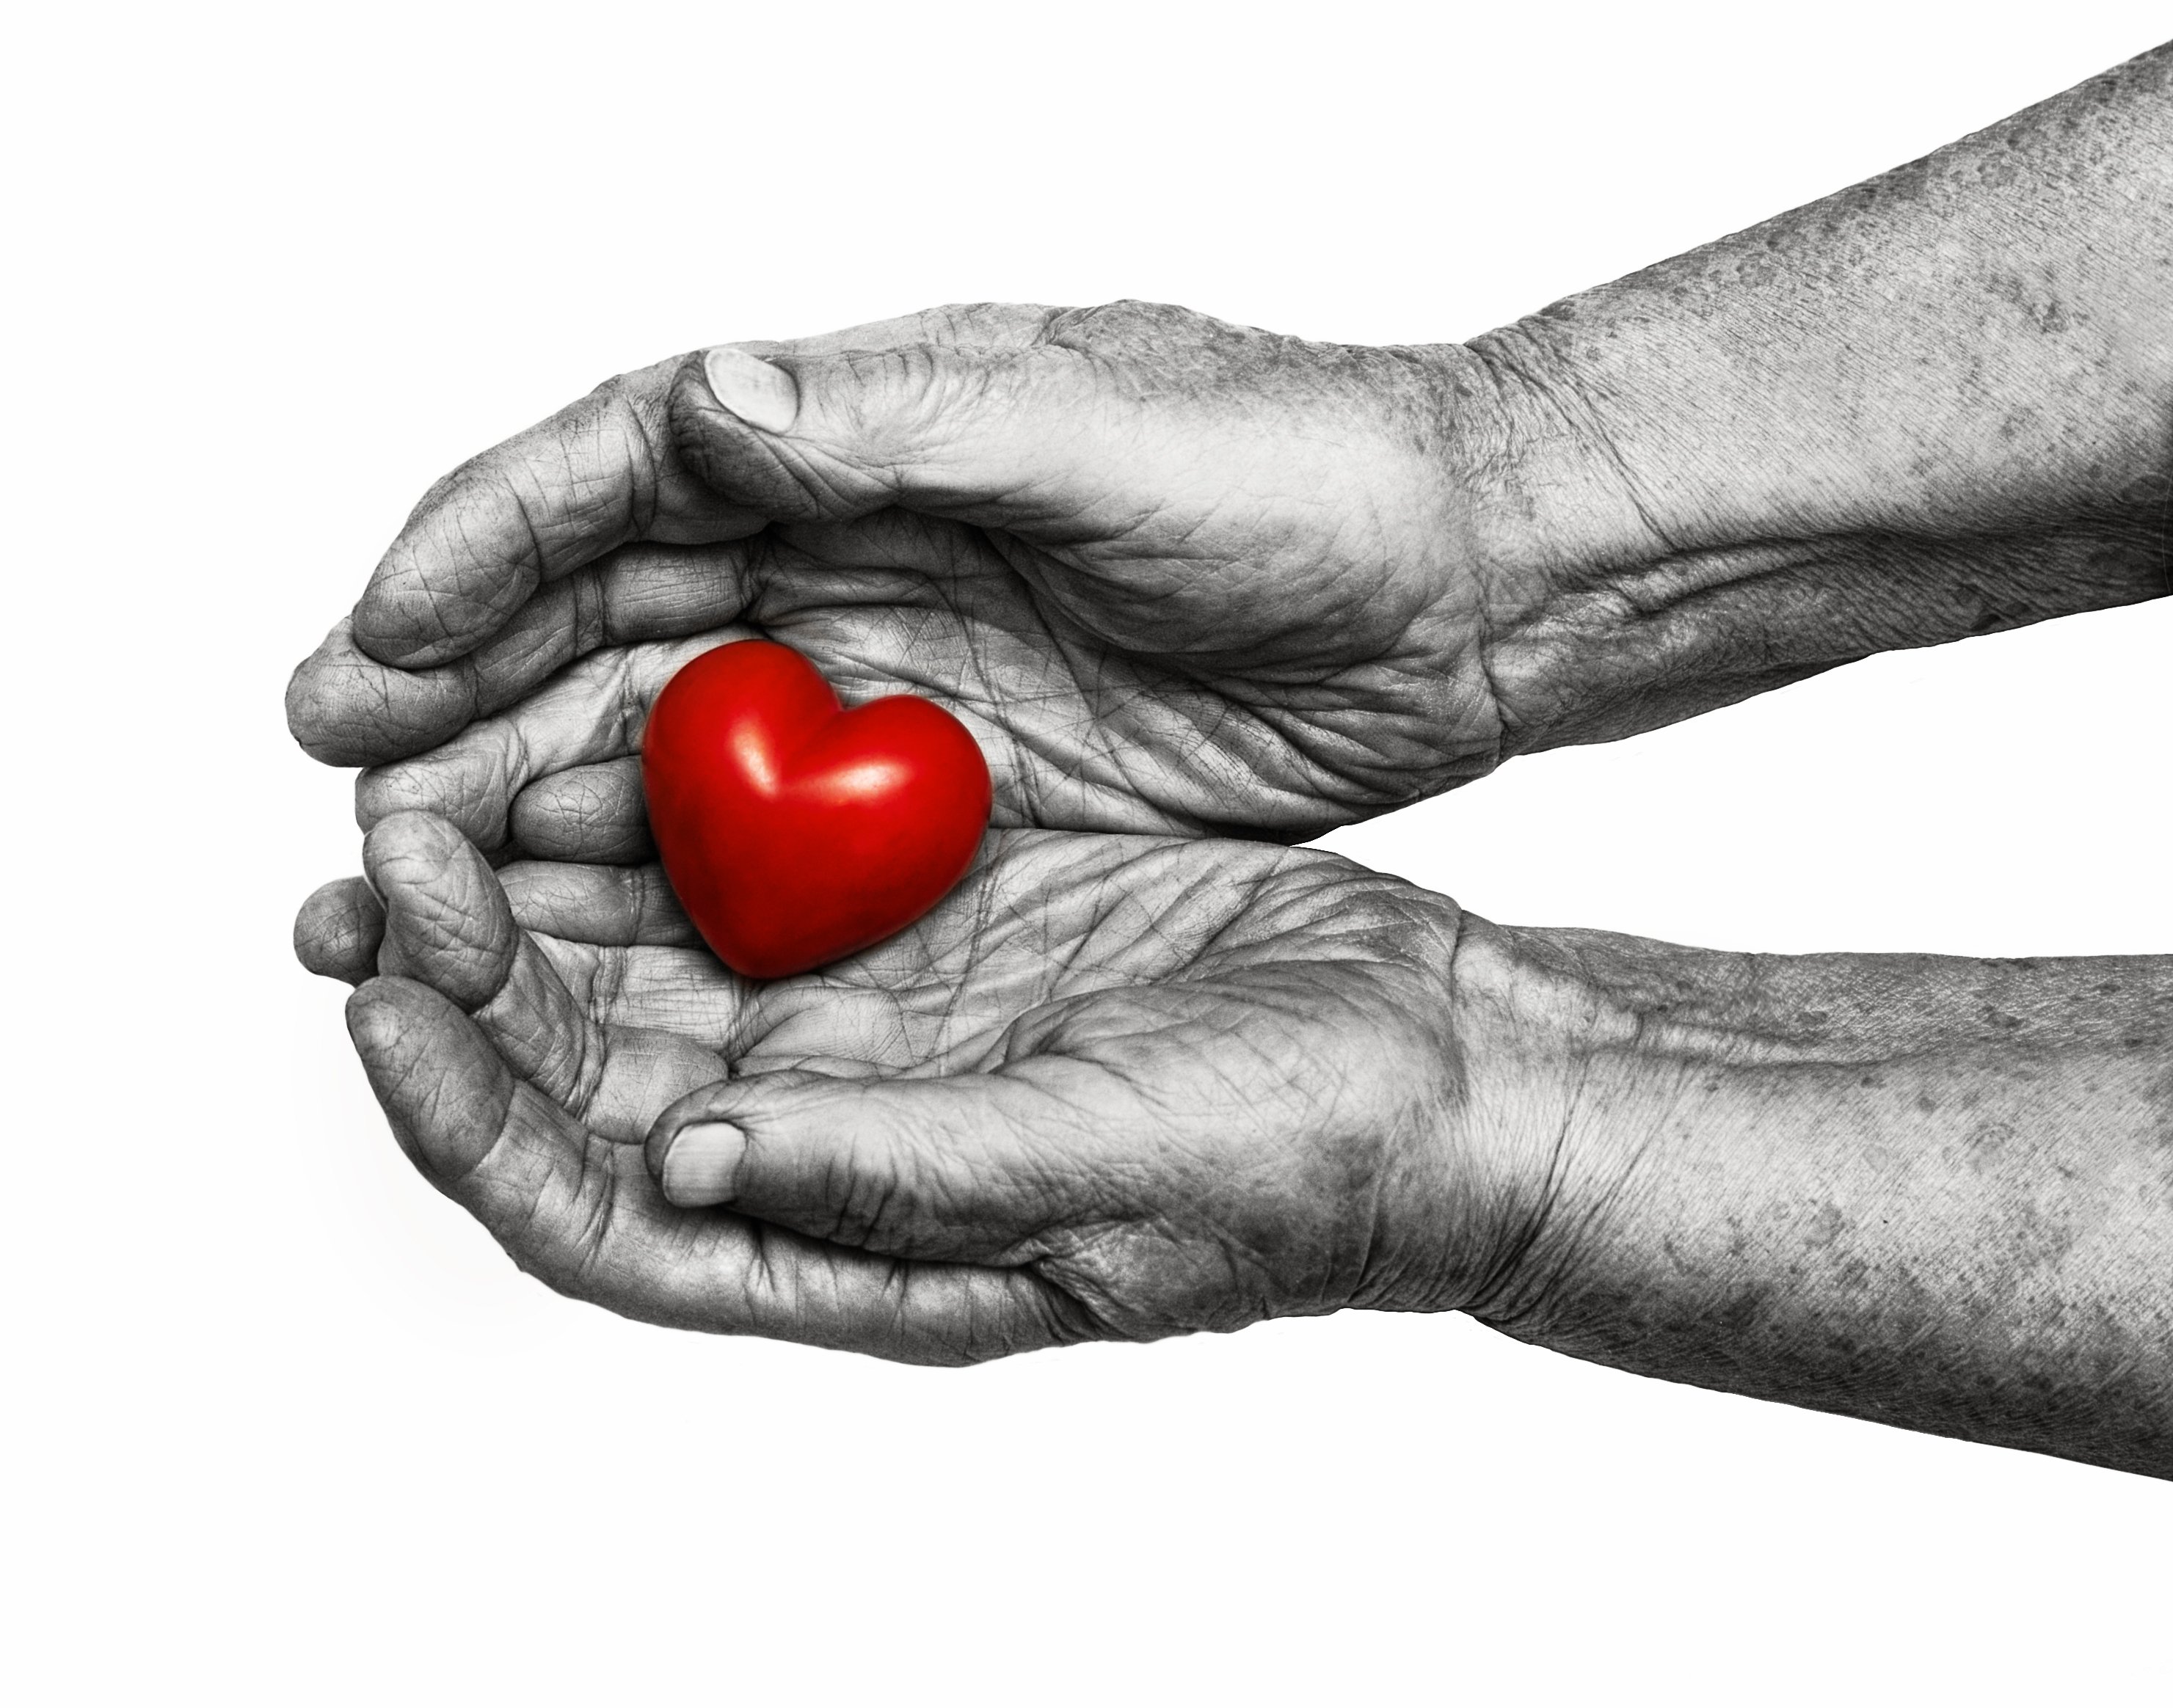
1112	1087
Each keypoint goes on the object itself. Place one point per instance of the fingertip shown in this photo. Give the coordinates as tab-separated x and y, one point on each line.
312	714
447	922
386	630
761	393
590	814
738	459
375	1018
390	1021
663	1132
410	846
447	1092
942	1168
699	1168
345	709
704	1106
338	929
404	620
385	791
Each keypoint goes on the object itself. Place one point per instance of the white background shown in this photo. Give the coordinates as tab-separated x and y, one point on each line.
285	1427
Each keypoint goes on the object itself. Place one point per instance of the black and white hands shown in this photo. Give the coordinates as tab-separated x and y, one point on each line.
1186	581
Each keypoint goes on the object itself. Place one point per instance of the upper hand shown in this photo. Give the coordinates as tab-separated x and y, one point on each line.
1175	574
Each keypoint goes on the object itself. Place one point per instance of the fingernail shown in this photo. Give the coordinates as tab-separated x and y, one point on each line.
760	395
700	1166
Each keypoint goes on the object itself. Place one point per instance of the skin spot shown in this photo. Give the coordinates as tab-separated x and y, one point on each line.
2045	312
2038	1239
1985	1144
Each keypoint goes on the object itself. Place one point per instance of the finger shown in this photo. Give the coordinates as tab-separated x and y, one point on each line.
345	708
582	914
1053	423
615	907
594	813
971	1167
591	713
337	932
815	390
547	501
584	1216
983	434
595	476
448	1094
448	924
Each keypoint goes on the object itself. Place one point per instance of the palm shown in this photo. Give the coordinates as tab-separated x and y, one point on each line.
1093	688
1014	962
1094	974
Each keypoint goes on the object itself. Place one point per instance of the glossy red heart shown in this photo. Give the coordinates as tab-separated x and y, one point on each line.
795	832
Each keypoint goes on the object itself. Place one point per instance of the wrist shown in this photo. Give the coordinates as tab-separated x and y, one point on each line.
1934	405
1474	1095
1537	1043
1509	1163
1925	1191
1677	547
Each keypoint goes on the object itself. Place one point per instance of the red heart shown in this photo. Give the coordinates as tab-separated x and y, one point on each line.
795	832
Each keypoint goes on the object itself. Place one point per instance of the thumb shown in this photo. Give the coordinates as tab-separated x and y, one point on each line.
969	1168
989	434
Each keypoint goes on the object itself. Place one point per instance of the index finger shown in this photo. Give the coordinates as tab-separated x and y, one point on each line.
596	476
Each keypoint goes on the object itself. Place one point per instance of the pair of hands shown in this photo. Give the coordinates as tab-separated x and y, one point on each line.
1181	579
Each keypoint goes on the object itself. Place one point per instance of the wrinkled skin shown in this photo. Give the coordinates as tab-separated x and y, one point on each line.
1176	575
1112	1087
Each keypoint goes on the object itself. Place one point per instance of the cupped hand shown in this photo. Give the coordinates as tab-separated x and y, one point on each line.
1176	575
1114	1086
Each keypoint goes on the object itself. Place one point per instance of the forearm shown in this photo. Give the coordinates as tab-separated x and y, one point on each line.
1934	405
1933	1192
